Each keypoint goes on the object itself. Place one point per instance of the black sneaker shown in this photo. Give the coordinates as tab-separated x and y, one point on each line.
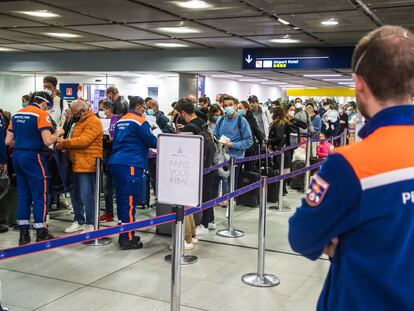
43	235
126	244
24	237
136	238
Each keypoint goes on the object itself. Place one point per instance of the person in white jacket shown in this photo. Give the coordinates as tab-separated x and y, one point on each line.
261	114
58	111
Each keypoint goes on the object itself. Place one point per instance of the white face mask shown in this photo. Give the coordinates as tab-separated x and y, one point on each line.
298	105
101	114
50	92
291	113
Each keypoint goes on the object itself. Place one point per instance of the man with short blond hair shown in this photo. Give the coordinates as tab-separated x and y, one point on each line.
359	209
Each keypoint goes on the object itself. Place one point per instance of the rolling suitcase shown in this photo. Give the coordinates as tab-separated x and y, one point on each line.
144	198
298	182
251	198
160	210
272	189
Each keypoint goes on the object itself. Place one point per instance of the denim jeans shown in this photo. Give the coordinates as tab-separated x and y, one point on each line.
83	197
108	186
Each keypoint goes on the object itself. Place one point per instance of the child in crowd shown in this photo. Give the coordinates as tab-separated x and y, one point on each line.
324	148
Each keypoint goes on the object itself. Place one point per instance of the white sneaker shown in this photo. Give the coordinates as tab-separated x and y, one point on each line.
75	227
188	246
201	230
88	228
212	226
195	241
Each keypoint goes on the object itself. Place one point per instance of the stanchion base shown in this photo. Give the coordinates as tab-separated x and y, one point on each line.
185	260
254	279
230	233
98	242
277	209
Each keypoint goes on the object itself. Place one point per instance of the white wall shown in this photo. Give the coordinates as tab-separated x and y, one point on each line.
240	90
12	87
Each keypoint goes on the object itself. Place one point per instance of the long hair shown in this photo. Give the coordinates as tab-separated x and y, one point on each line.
279	117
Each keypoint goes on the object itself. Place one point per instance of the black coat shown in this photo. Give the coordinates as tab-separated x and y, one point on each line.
277	136
257	134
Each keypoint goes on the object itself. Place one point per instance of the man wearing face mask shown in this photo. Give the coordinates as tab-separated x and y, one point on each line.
118	102
29	130
84	146
160	119
261	114
25	103
303	115
128	163
359	209
57	111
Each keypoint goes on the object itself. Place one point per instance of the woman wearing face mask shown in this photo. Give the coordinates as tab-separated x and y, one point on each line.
303	115
243	109
25	100
330	120
214	113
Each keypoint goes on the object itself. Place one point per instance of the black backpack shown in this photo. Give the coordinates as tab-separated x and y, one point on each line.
210	148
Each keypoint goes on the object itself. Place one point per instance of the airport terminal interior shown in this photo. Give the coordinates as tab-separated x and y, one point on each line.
274	52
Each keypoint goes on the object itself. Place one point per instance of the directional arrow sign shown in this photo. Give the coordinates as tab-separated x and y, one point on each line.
248	59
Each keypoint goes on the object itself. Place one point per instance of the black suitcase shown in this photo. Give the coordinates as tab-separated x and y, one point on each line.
160	210
273	189
144	199
251	198
298	182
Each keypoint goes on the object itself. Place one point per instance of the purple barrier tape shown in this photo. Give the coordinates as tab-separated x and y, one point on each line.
216	167
294	173
259	157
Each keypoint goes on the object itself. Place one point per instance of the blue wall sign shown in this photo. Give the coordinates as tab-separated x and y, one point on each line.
69	90
297	58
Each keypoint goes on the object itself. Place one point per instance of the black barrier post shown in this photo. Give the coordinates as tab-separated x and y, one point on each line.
177	252
307	174
101	241
230	232
261	279
280	207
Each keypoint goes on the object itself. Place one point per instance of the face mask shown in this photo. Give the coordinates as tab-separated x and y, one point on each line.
25	104
349	113
341	111
229	111
298	105
150	112
101	114
291	113
50	92
110	101
215	118
240	112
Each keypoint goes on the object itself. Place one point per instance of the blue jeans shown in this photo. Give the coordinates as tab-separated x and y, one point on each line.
83	197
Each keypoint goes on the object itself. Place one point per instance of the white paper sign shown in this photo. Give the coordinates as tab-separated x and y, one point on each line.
179	169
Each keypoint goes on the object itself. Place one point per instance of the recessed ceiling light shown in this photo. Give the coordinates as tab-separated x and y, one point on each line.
273	83
62	34
321	75
179	30
292	86
296	28
284	40
346	83
330	22
226	76
3	49
39	13
171	45
282	21
338	80
193	4
252	80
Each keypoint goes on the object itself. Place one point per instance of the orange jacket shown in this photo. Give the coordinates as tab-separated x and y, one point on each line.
85	145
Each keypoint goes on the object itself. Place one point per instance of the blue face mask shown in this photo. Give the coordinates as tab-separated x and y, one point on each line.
215	118
240	112
150	112
25	104
229	111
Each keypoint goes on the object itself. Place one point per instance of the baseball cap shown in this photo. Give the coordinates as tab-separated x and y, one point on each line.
253	98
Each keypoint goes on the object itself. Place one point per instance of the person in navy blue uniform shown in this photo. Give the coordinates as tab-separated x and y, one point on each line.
359	208
128	163
29	131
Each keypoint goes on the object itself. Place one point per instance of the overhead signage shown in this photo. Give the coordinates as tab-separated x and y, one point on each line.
180	169
69	90
297	58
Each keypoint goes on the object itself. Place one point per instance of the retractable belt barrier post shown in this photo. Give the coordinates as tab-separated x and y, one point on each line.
105	240
308	152
261	279
281	207
230	232
177	254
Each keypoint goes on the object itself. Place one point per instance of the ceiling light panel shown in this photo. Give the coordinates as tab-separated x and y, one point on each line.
284	40
62	35
330	22
182	29
193	4
170	45
317	75
226	76
252	80
39	13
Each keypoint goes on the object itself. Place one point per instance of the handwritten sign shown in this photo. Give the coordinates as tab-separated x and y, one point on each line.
179	169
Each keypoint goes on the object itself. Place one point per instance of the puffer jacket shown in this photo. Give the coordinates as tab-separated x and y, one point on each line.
85	145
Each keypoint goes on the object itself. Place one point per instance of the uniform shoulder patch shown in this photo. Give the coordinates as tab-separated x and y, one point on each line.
318	188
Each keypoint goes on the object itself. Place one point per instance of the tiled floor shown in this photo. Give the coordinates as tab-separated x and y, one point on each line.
104	278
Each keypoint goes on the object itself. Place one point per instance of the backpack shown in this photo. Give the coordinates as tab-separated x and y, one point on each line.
210	144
